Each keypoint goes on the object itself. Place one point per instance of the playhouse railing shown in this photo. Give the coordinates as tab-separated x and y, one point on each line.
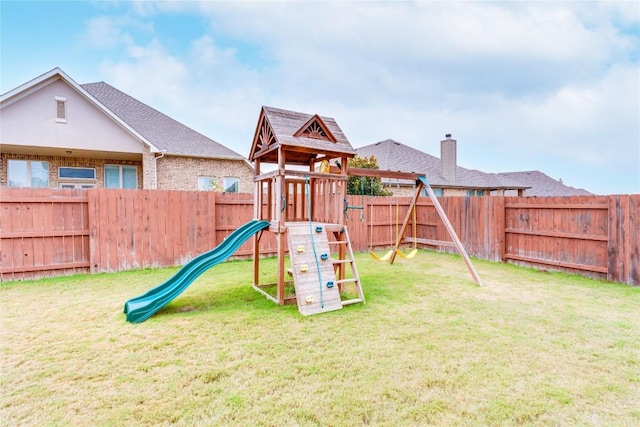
283	196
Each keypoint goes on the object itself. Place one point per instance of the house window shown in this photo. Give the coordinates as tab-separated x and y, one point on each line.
207	183
76	173
61	109
28	173
436	191
120	176
231	185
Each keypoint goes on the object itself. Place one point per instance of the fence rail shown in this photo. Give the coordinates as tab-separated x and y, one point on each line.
50	232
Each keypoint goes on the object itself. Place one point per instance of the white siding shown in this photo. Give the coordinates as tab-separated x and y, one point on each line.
31	121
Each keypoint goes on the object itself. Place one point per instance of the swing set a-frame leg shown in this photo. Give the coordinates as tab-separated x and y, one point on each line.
423	183
405	224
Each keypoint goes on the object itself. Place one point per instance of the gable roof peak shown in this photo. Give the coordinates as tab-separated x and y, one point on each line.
315	128
304	136
388	141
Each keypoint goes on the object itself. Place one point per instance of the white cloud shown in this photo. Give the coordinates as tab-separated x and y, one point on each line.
149	73
106	32
521	85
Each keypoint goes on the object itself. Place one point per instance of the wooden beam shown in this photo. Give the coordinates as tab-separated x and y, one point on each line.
450	229
268	175
430	242
600	206
315	175
31	268
410	176
23	199
559	234
266	150
377	173
315	150
570	265
55	233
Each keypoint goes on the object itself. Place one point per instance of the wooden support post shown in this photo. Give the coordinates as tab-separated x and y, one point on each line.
257	214
341	256
280	203
281	267
312	199
270	202
344	161
450	229
280	196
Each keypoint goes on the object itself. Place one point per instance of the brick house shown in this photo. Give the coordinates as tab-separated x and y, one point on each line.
57	133
448	179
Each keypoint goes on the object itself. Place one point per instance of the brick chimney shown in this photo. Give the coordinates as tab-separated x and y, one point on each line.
448	158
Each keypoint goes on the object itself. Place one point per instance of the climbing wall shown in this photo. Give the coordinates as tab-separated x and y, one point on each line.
315	293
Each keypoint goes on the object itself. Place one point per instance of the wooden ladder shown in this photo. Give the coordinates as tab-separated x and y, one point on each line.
343	248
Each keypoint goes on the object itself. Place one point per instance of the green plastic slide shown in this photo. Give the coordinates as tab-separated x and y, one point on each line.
142	307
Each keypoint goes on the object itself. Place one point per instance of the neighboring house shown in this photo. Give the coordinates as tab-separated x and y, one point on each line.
541	185
57	133
444	175
448	179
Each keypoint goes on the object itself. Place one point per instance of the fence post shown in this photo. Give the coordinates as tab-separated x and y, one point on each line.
498	236
94	230
623	247
616	243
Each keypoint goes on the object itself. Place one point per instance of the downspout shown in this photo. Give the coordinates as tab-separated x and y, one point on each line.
155	169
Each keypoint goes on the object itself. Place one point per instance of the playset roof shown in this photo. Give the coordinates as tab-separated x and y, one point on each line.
302	136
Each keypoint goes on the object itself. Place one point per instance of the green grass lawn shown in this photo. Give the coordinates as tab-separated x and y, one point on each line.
428	348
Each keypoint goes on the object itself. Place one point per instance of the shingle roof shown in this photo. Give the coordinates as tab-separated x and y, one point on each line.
395	156
156	127
543	185
285	124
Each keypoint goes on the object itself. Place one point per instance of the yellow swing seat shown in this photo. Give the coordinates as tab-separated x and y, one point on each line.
409	255
384	257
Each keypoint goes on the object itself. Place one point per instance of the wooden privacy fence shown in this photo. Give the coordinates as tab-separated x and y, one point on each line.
43	232
48	232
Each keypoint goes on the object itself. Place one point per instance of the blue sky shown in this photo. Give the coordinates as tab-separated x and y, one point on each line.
549	86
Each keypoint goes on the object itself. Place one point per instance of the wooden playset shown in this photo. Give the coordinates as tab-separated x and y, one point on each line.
303	198
305	205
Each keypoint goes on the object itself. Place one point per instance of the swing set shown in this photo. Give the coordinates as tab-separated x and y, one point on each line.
398	238
421	183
